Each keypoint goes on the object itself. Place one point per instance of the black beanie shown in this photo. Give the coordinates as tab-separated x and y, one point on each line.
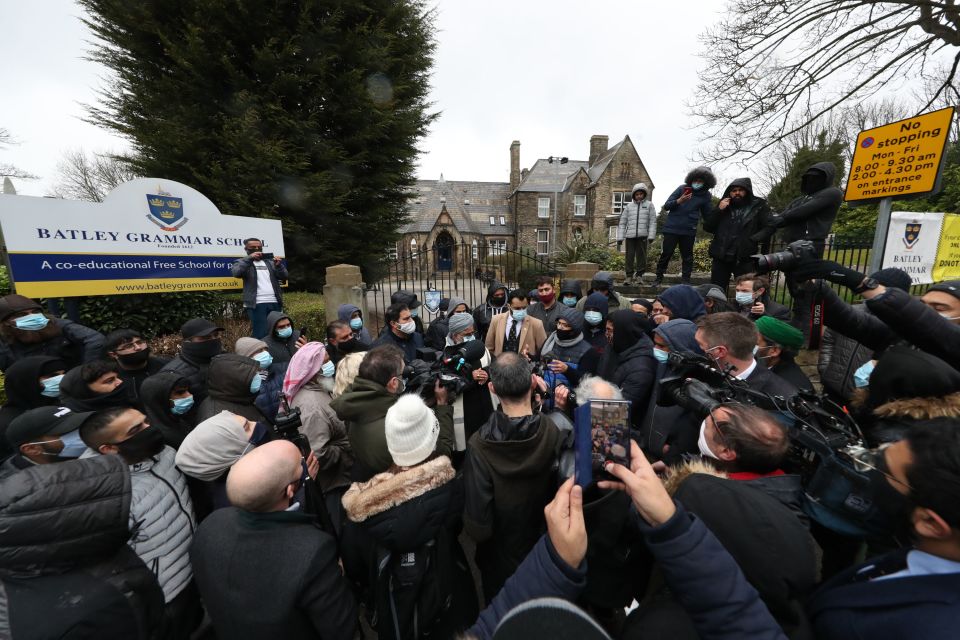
904	372
548	618
893	277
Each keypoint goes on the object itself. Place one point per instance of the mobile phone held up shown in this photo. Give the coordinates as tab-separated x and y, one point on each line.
687	191
602	435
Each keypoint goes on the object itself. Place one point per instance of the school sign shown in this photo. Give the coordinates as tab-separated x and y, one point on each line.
148	236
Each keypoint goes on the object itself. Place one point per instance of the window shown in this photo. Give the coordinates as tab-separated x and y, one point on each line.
413	247
578	233
620	199
612	235
543	207
493	220
579	205
543	242
475	250
497	247
503	221
392	252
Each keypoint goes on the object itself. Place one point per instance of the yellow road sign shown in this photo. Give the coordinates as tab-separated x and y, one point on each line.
899	159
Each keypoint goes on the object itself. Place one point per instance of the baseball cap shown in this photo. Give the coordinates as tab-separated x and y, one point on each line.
44	421
948	286
198	327
408	298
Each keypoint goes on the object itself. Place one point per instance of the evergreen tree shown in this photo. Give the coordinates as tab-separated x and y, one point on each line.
823	150
306	110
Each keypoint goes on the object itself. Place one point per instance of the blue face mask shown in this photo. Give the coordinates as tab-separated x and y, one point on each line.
32	322
697	186
51	386
255	384
182	405
469	338
660	355
328	369
861	377
744	298
286	332
414	312
73	446
570	301
264	358
356	324
593	317
519	314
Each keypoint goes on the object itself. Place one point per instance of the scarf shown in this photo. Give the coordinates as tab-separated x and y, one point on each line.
553	341
304	366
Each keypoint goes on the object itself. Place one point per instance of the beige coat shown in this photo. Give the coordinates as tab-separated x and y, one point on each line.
532	335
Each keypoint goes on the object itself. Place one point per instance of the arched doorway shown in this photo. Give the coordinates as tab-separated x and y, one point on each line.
444	251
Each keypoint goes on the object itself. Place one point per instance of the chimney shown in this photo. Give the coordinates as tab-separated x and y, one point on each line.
598	144
514	165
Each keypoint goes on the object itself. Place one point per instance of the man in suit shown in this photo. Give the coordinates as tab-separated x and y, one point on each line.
731	341
515	331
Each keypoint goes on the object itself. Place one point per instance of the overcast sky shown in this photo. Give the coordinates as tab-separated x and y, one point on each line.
549	73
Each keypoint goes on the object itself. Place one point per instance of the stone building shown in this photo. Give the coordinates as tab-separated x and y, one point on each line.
539	209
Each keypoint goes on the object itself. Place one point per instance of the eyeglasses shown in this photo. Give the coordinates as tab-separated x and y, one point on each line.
137	344
875	460
716	425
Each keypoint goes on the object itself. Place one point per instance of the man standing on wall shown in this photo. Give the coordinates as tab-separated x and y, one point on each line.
261	274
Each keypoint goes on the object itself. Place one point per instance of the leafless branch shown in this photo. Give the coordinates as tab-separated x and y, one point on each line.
90	178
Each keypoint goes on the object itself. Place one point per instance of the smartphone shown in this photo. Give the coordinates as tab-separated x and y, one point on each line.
687	190
303	332
267	256
602	436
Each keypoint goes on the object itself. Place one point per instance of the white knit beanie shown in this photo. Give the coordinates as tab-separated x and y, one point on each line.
411	429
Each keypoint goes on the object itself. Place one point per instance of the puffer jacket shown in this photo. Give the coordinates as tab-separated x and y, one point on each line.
162	520
811	215
65	528
738	231
326	432
228	386
682	218
839	357
638	220
74	343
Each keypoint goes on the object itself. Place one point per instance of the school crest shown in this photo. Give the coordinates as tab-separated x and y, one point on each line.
431	300
166	210
911	233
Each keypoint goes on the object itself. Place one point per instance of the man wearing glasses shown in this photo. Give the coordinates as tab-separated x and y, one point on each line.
131	351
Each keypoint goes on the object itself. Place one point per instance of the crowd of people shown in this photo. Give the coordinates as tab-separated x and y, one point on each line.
290	487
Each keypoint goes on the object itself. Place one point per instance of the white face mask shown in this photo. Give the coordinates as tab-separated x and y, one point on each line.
744	298
408	327
702	442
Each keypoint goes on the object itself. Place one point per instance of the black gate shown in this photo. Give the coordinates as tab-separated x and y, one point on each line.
447	269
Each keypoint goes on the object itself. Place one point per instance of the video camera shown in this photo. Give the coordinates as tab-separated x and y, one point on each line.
451	367
287	426
826	444
796	253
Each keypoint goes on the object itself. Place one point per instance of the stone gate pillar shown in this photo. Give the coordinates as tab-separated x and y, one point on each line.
344	285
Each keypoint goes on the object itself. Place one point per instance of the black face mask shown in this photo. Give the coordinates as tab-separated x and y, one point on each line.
259	434
498	301
347	346
143	445
569	334
134	360
893	505
202	351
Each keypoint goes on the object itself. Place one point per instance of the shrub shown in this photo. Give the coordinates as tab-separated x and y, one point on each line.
153	314
702	262
5	286
306	310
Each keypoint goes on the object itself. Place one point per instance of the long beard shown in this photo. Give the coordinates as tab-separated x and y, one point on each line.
12	334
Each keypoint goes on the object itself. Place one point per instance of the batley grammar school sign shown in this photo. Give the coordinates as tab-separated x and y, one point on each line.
147	236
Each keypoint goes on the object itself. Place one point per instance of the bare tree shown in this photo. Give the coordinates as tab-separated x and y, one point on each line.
775	66
90	178
9	170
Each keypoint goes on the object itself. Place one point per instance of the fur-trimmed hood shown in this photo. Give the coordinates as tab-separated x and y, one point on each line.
387	490
947	406
704	174
677	474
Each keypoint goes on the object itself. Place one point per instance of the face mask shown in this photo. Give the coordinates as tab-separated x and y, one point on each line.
861	377
259	434
347	346
401	386
947	316
202	350
570	301
593	317
72	445
182	405
546	298
134	360
356	324
660	355
702	442
697	186
567	334
498	301
756	348
32	322
145	444
328	370
264	358
414	312
51	386
519	315
744	298
469	338
286	332
255	384
408	327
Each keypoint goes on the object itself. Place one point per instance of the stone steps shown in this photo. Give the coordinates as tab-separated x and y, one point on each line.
646	289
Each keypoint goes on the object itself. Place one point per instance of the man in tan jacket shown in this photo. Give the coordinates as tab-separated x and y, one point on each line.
515	330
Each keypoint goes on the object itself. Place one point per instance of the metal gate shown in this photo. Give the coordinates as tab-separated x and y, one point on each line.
447	269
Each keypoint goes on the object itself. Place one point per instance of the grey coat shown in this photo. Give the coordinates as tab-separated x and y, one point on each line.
638	220
243	268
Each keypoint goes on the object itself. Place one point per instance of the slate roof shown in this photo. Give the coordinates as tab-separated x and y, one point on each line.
486	199
544	176
601	164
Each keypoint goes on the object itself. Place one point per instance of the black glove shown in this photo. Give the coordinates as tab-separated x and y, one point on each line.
776	220
830	271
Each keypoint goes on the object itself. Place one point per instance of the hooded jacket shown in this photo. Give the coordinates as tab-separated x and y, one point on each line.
282	349
193	369
21	383
401	512
638	220
508	478
671	425
77	396
230	376
628	362
682	219
614	299
568	288
326	432
65	530
811	215
571	349
483	313
435	336
344	312
155	395
738	230
684	302
73	343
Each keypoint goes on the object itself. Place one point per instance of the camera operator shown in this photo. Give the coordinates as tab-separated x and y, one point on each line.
926	322
731	341
363	408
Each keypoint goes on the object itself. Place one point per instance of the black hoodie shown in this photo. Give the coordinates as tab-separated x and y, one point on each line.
228	386
811	215
484	312
155	396
21	382
628	362
282	349
77	396
738	229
